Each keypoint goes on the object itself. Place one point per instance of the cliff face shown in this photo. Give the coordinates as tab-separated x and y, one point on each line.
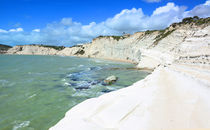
187	43
32	50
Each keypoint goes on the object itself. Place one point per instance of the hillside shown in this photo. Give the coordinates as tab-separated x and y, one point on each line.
4	48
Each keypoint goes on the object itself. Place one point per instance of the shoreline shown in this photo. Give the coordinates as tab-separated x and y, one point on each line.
61	82
148	70
108	59
158	97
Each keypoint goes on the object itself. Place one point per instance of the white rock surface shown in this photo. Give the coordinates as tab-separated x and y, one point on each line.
69	51
166	99
110	79
32	50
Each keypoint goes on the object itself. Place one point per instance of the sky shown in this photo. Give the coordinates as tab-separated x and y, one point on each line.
70	22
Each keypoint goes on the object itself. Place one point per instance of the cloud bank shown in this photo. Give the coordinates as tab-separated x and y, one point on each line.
68	32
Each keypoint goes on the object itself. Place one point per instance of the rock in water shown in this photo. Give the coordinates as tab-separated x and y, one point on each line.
110	80
106	90
82	87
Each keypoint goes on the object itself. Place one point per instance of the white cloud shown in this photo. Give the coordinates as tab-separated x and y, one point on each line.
202	10
68	32
16	30
152	1
66	21
165	9
127	20
19	29
207	3
36	30
12	30
3	31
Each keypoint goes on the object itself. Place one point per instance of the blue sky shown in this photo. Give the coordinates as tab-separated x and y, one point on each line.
69	22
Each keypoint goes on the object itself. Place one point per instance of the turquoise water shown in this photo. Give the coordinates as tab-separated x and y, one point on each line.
36	91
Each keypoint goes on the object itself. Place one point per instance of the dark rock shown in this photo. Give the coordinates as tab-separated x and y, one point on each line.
4	48
106	90
104	84
80	52
73	84
74	79
94	82
74	76
93	68
82	87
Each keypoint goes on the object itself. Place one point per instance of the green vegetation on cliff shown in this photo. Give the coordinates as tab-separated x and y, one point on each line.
166	32
189	20
193	20
163	34
114	37
150	32
4	48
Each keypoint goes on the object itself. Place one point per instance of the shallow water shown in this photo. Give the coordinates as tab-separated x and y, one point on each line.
36	91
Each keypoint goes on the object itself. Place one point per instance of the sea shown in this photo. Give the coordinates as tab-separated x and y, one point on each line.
37	91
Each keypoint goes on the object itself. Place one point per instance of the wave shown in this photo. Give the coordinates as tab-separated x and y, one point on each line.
6	83
20	124
3	81
81	66
32	96
37	73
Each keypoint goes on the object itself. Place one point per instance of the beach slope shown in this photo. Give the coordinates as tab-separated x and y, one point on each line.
169	98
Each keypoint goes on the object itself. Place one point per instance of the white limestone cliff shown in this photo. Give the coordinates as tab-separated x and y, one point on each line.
32	50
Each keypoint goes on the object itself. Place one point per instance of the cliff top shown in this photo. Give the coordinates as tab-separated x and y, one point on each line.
4	47
186	22
193	21
47	46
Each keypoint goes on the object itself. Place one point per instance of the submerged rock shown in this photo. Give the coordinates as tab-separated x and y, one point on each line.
82	87
106	90
74	76
110	80
94	82
73	84
79	85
